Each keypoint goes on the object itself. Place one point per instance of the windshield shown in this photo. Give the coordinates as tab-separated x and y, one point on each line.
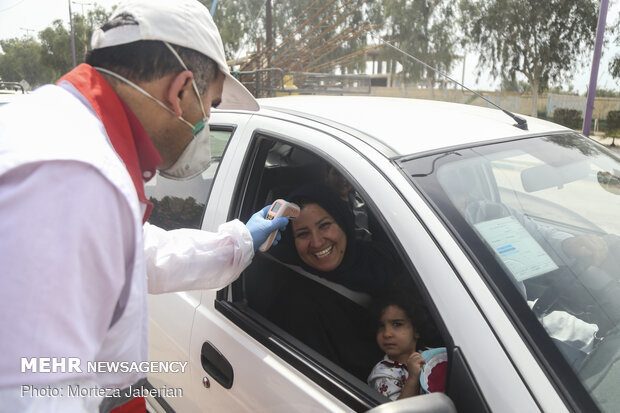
542	217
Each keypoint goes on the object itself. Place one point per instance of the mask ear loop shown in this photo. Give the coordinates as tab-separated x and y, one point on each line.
144	92
200	124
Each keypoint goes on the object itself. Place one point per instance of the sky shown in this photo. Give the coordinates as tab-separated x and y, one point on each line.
27	17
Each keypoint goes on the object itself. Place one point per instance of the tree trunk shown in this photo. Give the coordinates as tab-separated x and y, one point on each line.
268	28
534	84
429	81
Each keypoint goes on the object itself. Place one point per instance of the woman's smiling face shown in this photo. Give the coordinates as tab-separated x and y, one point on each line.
319	240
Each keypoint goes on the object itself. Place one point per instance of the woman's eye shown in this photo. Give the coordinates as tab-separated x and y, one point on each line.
325	225
397	324
301	235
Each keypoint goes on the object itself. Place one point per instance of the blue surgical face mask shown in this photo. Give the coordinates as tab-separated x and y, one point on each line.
196	157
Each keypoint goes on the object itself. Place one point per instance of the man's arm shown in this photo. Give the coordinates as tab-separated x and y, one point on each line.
191	259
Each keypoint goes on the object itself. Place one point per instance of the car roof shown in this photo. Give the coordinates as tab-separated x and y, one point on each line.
9	96
408	126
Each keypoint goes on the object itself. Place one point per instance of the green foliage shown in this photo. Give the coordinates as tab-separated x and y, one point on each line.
56	42
543	40
607	93
47	60
513	85
239	23
422	28
613	123
561	91
307	34
172	212
22	61
571	118
614	67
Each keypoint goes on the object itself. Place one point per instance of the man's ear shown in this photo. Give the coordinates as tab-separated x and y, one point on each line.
178	87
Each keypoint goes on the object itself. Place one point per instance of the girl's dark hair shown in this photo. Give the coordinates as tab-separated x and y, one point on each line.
416	312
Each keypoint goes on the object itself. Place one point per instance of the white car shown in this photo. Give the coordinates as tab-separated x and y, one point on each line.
10	91
477	209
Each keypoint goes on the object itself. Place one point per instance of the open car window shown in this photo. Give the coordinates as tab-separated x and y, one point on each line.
545	230
325	328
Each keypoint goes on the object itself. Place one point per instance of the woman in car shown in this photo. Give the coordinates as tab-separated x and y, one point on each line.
328	278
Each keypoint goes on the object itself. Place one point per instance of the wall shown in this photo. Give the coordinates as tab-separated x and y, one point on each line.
512	101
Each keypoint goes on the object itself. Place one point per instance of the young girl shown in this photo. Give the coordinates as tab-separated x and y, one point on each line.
398	375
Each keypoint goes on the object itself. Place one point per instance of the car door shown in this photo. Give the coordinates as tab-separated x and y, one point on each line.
182	204
247	362
244	375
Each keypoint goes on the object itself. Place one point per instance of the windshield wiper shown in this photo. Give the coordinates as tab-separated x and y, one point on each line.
521	123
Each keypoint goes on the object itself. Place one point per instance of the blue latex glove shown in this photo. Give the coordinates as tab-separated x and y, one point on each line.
260	228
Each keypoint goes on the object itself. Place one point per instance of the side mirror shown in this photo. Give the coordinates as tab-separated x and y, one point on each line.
432	402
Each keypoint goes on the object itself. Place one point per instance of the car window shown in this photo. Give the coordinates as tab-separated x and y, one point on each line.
181	204
328	322
544	225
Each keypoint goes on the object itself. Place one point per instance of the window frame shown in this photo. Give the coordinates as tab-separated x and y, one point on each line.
546	353
341	384
218	128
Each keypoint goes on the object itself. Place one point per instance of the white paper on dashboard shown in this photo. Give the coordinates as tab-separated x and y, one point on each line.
516	247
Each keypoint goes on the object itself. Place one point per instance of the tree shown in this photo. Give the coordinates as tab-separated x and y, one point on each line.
308	35
56	40
513	85
239	23
542	40
422	28
45	61
22	61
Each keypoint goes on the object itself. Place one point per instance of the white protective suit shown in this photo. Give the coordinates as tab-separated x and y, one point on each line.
72	238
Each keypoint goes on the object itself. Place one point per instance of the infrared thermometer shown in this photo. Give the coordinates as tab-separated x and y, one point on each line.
279	208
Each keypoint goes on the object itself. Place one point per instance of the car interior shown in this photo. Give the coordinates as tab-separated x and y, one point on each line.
321	318
323	329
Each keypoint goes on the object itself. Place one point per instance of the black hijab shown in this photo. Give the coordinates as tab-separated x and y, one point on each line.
368	267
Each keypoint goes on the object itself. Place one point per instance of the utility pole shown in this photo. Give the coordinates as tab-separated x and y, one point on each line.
268	25
600	30
82	4
72	34
27	30
84	39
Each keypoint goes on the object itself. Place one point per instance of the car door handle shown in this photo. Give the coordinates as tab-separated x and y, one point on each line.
214	363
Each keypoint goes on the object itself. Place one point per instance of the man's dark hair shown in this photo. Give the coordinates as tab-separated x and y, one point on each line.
147	60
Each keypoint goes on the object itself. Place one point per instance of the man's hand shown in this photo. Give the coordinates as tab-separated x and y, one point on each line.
586	246
260	228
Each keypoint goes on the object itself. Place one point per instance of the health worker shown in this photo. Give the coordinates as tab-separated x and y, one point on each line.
78	257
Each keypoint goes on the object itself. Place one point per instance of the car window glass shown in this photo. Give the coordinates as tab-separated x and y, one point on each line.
181	204
543	219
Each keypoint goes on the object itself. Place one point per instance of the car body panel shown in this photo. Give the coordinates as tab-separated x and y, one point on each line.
363	138
382	119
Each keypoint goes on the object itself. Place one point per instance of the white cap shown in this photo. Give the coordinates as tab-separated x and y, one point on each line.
184	23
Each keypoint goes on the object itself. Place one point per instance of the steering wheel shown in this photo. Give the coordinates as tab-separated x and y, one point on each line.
580	290
563	283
